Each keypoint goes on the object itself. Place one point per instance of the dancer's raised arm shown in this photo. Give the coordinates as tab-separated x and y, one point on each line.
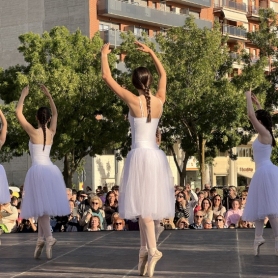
19	113
161	90
124	94
265	135
3	133
54	112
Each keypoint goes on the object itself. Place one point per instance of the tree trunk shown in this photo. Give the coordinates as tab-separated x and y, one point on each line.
183	172
202	144
67	172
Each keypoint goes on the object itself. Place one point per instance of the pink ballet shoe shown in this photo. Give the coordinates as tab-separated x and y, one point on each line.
143	262
257	244
152	260
39	247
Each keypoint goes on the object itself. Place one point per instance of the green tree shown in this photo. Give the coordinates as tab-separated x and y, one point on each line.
69	65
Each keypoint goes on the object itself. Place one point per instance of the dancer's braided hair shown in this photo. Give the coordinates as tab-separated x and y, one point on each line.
142	80
265	118
43	116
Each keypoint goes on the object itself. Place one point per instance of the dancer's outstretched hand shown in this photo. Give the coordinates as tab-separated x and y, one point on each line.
45	90
105	49
142	47
255	100
25	91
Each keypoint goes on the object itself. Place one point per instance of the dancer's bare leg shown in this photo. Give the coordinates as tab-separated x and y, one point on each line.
153	254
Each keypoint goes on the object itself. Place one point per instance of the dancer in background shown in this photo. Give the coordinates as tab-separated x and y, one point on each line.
44	187
146	189
263	190
4	186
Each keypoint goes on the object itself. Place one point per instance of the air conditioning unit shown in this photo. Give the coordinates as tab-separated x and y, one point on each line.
177	10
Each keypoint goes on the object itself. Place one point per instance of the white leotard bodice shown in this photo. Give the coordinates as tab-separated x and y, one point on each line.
262	153
39	156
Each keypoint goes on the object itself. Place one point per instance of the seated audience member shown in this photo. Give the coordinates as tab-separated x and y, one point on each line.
217	207
110	206
206	208
72	224
14	201
232	195
201	197
243	199
232	226
234	214
94	224
207	223
94	210
182	224
181	207
212	193
27	226
198	218
132	224
116	191
245	224
119	224
168	224
8	217
84	203
114	216
219	222
192	200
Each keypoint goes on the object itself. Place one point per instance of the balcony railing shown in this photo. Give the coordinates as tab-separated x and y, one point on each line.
230	5
114	37
253	11
197	3
234	31
136	13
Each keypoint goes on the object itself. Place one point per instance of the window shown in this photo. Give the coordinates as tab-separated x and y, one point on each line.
139	30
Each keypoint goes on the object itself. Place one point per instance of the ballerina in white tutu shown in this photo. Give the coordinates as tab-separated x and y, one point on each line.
263	189
146	189
44	187
4	186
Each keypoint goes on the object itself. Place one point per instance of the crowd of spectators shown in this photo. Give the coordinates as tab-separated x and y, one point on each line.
96	211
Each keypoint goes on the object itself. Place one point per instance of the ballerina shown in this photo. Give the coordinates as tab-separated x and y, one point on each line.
4	186
44	187
263	189
146	189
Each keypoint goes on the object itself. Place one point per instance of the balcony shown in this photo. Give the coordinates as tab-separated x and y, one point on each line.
114	37
234	32
253	12
219	4
132	12
194	3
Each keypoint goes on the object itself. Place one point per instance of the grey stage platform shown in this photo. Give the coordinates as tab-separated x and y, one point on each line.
186	253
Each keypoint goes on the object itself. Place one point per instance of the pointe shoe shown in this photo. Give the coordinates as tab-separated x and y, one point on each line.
158	231
257	244
49	244
39	247
142	265
152	260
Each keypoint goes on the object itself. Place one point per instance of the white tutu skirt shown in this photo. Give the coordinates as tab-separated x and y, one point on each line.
44	192
147	187
4	187
262	199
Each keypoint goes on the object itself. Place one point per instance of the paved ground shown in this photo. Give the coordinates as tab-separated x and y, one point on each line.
186	253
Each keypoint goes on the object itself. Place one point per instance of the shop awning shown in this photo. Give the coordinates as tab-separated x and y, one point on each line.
233	16
247	174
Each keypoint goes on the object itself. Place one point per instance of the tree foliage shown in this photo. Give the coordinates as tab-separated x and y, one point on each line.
69	65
